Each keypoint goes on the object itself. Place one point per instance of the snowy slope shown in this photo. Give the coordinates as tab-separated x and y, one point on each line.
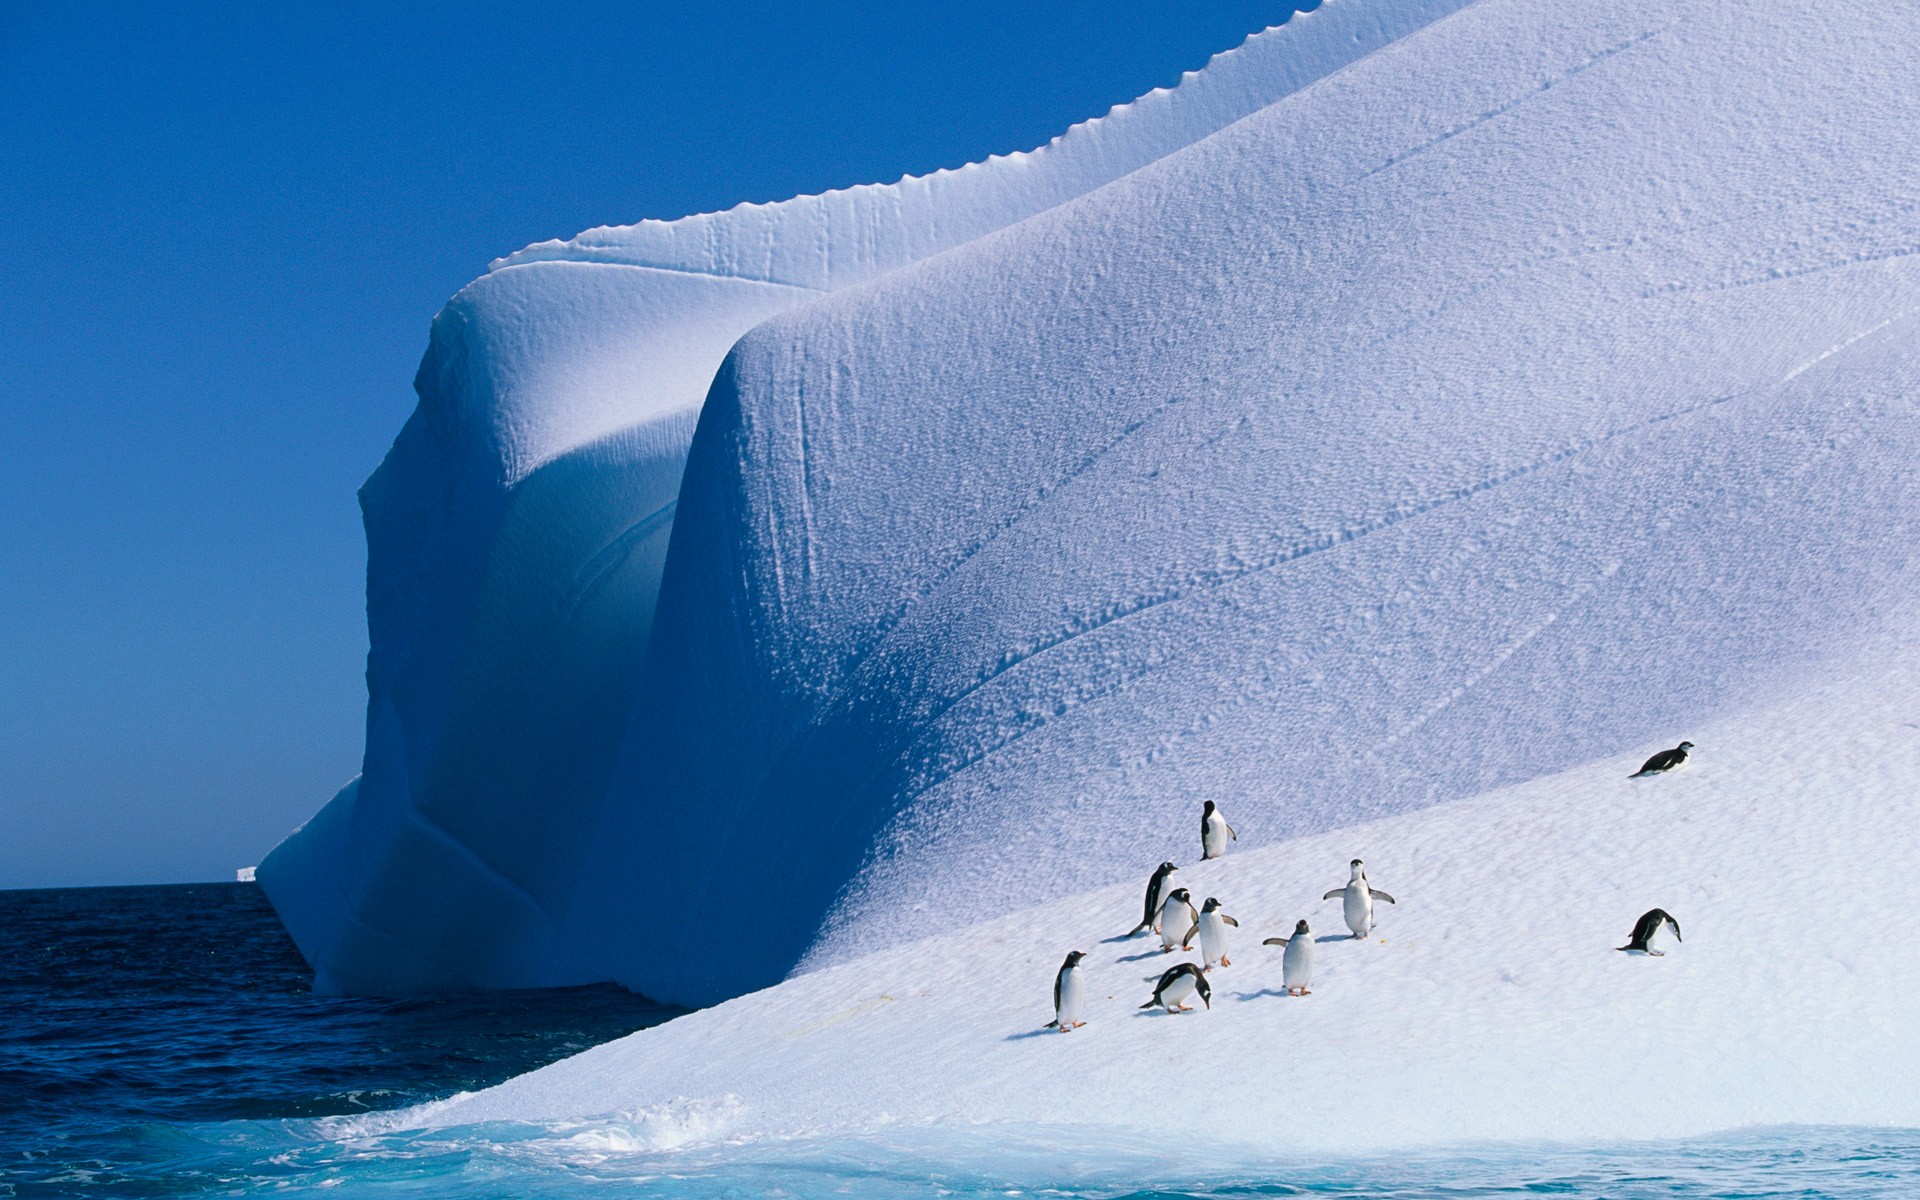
516	530
1489	1004
1537	387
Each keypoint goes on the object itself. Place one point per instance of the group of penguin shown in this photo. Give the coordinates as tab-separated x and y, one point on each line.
1171	915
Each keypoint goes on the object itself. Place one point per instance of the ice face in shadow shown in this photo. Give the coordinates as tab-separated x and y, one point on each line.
517	528
1533	387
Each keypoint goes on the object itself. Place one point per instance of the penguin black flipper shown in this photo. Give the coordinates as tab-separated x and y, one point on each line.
1274	942
1229	920
1235	837
1380	895
1339	891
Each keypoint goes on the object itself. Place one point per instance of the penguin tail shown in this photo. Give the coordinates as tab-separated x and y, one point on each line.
1150	1004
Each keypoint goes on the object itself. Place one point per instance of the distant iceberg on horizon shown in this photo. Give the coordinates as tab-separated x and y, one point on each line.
1393	433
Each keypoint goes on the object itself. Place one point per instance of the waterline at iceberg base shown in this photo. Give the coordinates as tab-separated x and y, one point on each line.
615	1157
1397	462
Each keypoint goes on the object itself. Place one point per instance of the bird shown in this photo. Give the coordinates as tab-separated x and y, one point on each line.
1180	981
1069	994
1664	761
1296	967
1212	931
1640	941
1150	915
1177	919
1359	896
1214	832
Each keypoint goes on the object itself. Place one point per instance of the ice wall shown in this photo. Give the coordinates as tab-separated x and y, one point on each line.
1535	387
517	528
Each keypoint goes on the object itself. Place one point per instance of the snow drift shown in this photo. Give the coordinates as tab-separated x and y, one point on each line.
1489	1004
516	530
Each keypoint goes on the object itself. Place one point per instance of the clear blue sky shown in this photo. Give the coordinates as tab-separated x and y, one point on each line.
226	229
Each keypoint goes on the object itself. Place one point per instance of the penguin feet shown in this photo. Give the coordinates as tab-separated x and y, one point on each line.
1225	961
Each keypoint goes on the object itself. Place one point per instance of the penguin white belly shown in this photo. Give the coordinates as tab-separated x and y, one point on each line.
1213	938
1296	968
1358	903
1213	843
1177	992
1176	922
1073	997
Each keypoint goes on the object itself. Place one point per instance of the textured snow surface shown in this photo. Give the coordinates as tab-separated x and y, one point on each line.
1489	1003
516	530
1535	388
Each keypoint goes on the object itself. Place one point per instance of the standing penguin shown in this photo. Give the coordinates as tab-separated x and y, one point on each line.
1358	897
1069	994
1156	889
1640	941
1177	919
1180	981
1214	832
1664	761
1296	966
1212	929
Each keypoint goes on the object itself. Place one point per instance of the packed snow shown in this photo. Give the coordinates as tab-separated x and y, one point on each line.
516	531
1489	1004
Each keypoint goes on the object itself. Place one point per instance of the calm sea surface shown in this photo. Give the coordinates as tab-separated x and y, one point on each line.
162	1042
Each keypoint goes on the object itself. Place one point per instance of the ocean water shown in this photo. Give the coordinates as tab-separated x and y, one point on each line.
162	1042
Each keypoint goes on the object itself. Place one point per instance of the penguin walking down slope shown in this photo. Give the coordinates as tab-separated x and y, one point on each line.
1069	994
1156	889
1664	761
1640	941
1296	966
1177	920
1212	931
1358	897
1179	982
1214	832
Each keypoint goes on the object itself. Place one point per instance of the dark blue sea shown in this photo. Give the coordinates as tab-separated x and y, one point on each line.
163	1041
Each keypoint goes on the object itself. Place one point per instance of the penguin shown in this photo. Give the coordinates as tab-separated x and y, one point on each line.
1069	994
1177	919
1156	887
1212	931
1640	941
1180	981
1296	967
1214	832
1359	896
1664	761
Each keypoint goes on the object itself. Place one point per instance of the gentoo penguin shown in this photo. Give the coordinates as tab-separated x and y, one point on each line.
1180	981
1177	919
1664	761
1156	887
1069	994
1647	928
1359	896
1212	931
1296	967
1214	832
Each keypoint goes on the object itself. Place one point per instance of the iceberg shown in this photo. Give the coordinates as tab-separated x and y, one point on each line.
1396	462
